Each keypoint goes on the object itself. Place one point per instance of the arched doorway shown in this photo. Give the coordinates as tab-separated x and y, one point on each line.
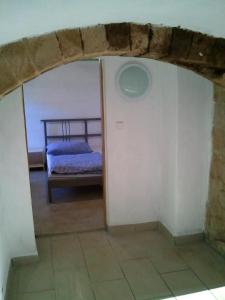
27	58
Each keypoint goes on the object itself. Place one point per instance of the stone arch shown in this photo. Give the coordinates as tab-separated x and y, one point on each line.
27	58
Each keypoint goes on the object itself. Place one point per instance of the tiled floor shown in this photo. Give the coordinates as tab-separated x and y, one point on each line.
136	265
73	210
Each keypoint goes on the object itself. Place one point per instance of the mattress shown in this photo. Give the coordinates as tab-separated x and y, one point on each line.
87	163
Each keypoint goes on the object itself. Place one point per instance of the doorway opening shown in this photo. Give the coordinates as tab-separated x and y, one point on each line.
65	142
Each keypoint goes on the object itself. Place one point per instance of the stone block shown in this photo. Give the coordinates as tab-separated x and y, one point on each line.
219	115
70	43
19	60
219	80
219	139
200	47
44	51
216	56
219	93
94	40
160	41
118	37
139	35
8	80
181	43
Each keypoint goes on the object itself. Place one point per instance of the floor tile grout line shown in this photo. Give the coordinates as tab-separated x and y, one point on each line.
191	268
121	269
125	277
149	258
119	262
36	292
52	264
175	271
172	293
207	289
86	265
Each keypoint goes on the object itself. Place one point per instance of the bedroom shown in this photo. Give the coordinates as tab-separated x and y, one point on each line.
64	138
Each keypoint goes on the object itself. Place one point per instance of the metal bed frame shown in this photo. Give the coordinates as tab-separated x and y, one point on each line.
70	180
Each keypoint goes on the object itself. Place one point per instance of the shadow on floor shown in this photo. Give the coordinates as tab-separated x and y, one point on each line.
73	210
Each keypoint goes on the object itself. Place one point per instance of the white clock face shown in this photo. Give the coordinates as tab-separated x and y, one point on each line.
133	80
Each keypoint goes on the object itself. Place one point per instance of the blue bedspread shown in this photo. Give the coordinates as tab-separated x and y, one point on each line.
75	164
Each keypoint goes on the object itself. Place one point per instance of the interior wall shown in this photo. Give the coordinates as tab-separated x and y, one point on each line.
158	149
133	133
16	219
168	145
69	91
195	119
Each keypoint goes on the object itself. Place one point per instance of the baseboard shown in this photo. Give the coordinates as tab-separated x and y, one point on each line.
177	240
166	232
8	282
190	238
133	227
18	261
182	239
22	260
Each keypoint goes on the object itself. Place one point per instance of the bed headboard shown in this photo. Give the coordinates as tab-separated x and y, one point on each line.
66	134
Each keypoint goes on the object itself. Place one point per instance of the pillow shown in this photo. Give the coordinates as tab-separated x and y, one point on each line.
63	148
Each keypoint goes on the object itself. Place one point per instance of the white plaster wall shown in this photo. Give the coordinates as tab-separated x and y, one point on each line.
69	91
27	18
158	159
16	222
168	145
195	118
133	157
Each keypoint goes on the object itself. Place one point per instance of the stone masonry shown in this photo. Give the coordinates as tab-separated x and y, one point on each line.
27	58
215	224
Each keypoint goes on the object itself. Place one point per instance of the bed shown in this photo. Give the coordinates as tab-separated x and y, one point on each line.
70	160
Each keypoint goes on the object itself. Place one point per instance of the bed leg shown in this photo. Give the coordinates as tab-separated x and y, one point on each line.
49	194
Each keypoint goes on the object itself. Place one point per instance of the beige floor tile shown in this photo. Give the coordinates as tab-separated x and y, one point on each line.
102	264
129	246
73	285
160	240
101	258
207	264
46	295
66	252
183	282
44	248
113	290
167	260
144	281
36	277
93	239
13	284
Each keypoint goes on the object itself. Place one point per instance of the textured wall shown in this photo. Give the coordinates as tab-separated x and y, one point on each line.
27	58
216	206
